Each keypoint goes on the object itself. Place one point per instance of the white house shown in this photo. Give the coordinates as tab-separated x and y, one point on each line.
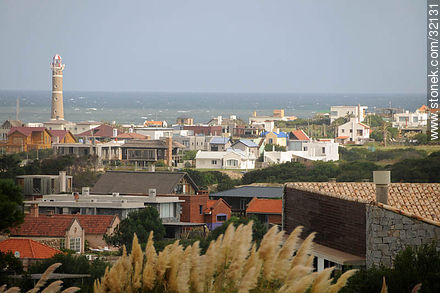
155	132
353	132
229	159
249	147
418	119
314	150
344	111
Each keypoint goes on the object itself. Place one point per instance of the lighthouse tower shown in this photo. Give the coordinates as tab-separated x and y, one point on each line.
57	88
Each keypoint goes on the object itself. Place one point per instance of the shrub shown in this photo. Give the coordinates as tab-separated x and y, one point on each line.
232	263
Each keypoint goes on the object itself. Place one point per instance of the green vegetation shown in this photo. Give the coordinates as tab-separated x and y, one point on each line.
207	178
9	265
189	155
269	147
11	201
411	267
140	222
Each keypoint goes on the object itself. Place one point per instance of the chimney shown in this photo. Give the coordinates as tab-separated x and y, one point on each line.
382	181
169	158
76	196
152	193
219	120
115	132
63	181
34	210
85	191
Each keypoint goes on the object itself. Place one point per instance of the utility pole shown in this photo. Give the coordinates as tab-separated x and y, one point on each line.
17	109
385	134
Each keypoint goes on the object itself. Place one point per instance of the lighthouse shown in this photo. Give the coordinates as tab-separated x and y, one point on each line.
57	88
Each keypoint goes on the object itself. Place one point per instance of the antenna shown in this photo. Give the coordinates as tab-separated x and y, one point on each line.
17	109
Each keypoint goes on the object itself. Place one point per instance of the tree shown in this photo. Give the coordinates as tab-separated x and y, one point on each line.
269	147
422	138
140	222
374	120
11	200
9	265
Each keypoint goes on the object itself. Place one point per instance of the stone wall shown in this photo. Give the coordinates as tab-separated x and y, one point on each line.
389	232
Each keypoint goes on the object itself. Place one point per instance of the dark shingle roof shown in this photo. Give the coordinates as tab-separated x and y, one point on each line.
252	191
129	182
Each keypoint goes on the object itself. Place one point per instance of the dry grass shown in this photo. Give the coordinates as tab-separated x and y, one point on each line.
232	263
52	288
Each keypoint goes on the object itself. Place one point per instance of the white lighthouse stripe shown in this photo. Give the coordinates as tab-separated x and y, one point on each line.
57	92
57	75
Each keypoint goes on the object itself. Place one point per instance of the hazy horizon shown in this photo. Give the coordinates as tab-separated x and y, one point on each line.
229	46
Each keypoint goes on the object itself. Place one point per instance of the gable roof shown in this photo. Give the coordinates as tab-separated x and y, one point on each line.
213	203
92	224
252	191
151	143
59	133
132	135
26	130
280	134
28	248
132	182
247	142
102	130
12	123
298	135
219	140
265	206
421	199
43	225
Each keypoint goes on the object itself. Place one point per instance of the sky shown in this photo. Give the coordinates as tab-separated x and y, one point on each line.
287	46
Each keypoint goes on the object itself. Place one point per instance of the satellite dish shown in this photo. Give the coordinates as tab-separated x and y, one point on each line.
17	254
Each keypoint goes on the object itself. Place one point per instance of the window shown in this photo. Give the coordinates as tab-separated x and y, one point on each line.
360	132
323	150
334	113
221	218
270	141
415	119
403	119
232	163
342	130
75	244
62	243
167	210
214	162
305	149
200	209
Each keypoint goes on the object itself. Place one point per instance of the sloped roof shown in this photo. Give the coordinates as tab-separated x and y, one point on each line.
43	225
421	199
131	182
12	123
265	206
28	248
247	142
58	133
132	135
26	130
210	155
92	224
212	203
299	135
102	130
251	191
423	108
151	143
219	140
281	134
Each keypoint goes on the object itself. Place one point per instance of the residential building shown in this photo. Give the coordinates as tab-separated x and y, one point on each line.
131	135
358	112
228	124
59	124
129	182
278	115
34	186
84	126
267	125
353	132
100	133
6	127
154	133
206	130
268	211
275	138
52	230
28	250
238	198
194	142
185	120
246	131
360	224
148	123
219	144
23	139
296	140
412	120
62	136
145	152
216	213
229	159
249	147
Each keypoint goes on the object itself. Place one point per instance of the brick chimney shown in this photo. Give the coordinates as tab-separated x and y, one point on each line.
382	181
34	210
169	141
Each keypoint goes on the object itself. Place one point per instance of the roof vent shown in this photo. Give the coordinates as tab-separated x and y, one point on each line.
152	192
17	254
115	193
85	191
382	181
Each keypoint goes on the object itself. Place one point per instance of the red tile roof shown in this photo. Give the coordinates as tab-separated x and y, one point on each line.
103	130
93	224
364	125
43	225
57	225
132	136
265	206
58	133
26	130
420	199
212	203
28	248
342	137
300	135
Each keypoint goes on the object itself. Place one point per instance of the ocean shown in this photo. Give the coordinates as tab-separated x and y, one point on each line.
136	107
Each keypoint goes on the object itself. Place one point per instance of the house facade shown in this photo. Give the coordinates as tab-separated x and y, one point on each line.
219	144
268	211
6	127
416	120
353	132
358	112
62	136
34	186
229	159
24	139
216	213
